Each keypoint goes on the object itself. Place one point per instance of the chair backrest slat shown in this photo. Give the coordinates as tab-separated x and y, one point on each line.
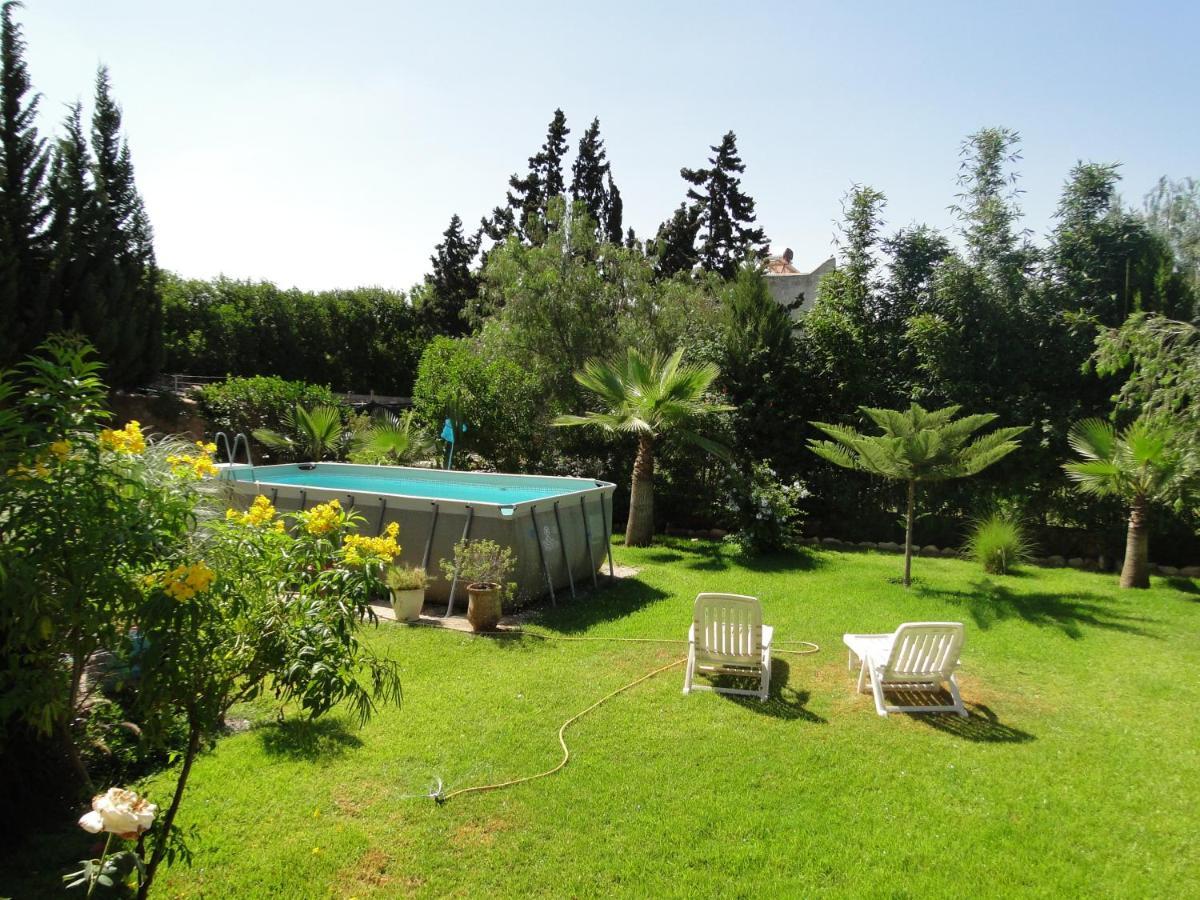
728	626
924	650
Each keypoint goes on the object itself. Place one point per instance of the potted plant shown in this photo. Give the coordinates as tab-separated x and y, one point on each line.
484	567
407	584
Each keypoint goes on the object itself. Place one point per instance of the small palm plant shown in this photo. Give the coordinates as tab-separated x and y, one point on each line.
917	447
651	398
393	439
1144	464
313	434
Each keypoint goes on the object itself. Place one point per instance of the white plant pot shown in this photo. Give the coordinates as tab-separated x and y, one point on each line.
407	604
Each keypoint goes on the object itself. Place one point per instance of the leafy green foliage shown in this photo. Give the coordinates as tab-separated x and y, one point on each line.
481	562
1160	358
368	339
766	511
242	405
452	285
998	542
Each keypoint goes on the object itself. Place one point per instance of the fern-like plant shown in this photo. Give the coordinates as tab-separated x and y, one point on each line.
312	434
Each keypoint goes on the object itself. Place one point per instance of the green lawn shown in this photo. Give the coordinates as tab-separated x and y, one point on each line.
1076	774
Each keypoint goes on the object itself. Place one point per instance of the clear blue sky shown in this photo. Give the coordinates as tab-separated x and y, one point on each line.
327	144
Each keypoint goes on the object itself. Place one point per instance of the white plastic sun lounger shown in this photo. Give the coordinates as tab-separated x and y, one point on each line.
918	657
728	637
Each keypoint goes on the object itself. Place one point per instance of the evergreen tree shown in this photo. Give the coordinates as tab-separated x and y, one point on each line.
23	204
614	212
726	214
72	225
527	197
588	174
674	246
451	285
125	319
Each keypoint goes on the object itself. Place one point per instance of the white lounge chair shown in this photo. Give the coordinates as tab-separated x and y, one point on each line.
918	657
728	637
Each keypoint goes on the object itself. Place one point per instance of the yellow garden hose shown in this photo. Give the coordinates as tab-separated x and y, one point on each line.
441	797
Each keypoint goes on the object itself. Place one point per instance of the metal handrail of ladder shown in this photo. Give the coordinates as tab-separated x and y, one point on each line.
221	439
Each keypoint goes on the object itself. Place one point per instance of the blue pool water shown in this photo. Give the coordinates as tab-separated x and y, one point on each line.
468	487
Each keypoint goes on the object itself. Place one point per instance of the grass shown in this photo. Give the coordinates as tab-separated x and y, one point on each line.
1075	774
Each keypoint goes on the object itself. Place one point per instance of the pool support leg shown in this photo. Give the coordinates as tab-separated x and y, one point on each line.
454	581
429	540
607	535
303	499
562	544
537	537
382	513
587	536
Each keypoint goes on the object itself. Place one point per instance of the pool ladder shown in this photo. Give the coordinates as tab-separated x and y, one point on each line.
239	440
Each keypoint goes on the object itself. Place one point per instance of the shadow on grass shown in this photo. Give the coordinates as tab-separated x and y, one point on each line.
1184	585
616	600
783	701
981	726
716	556
989	603
307	739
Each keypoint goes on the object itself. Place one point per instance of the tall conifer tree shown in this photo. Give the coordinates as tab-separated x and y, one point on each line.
527	196
23	206
124	319
588	174
726	213
72	225
452	284
674	246
614	211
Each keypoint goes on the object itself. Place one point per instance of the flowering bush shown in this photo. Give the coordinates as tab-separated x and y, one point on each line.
765	510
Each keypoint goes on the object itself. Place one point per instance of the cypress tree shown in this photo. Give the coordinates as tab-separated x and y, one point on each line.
674	246
527	197
726	214
588	173
124	319
452	284
72	224
614	210
23	202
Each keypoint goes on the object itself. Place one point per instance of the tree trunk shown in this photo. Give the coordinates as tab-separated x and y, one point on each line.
160	845
639	530
908	530
1136	571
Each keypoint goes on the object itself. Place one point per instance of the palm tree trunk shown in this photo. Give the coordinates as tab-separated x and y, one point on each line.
639	530
908	530
1136	571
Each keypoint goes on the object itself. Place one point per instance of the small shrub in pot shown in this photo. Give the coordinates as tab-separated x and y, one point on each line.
484	566
407	585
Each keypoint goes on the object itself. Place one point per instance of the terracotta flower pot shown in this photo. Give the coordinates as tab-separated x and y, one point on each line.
483	606
407	604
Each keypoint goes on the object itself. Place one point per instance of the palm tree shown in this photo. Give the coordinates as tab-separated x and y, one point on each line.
1143	464
309	433
917	447
650	398
395	439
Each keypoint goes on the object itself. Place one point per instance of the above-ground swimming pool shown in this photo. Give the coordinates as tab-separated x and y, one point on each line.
558	528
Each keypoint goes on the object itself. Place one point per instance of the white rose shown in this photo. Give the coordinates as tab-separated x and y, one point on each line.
120	812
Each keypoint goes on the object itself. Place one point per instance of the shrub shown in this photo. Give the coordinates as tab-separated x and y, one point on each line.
240	405
500	401
481	562
998	542
766	511
405	578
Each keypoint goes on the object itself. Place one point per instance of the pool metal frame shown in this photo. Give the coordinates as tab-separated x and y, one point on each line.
436	506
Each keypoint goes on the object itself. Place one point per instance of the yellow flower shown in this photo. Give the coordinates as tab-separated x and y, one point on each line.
196	466
260	513
128	440
358	549
210	448
186	581
61	449
324	518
